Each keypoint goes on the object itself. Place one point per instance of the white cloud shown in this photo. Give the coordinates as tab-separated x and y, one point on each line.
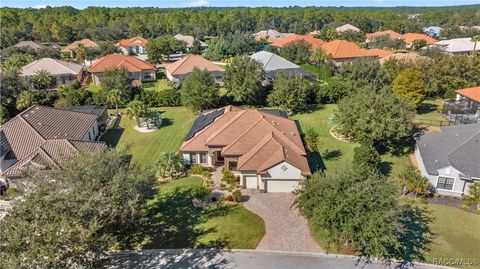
40	6
198	3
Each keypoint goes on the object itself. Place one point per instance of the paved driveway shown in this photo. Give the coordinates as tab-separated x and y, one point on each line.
285	228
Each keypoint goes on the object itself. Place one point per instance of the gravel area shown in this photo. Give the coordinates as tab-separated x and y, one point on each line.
285	228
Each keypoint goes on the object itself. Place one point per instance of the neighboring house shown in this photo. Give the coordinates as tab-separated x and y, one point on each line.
433	31
316	32
450	159
133	46
465	109
274	64
44	137
179	70
341	51
190	41
409	57
314	42
262	148
457	46
270	35
391	34
140	71
71	48
410	37
346	27
61	72
466	28
29	45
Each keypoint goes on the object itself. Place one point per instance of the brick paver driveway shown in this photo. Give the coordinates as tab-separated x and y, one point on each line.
285	228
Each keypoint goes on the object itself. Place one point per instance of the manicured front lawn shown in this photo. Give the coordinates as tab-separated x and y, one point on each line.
176	223
335	154
458	234
145	147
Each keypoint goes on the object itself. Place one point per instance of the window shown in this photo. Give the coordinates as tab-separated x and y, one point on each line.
147	75
445	183
193	158
232	166
203	158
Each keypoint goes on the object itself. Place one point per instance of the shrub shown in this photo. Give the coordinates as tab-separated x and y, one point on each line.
311	139
197	169
414	182
201	192
237	196
229	177
366	156
169	97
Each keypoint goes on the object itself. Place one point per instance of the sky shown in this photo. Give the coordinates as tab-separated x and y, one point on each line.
231	3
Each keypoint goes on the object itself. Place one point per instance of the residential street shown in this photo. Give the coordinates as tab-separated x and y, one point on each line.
239	259
285	228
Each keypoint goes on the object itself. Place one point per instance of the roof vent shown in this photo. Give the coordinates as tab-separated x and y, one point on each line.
274	123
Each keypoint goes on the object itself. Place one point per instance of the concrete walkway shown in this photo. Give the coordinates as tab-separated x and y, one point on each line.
285	228
243	259
217	180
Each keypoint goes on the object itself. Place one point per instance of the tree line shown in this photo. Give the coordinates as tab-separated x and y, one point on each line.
66	24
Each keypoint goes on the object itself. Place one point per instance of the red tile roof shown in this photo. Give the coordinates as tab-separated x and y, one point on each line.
390	33
187	64
132	64
410	37
471	93
314	42
131	42
260	140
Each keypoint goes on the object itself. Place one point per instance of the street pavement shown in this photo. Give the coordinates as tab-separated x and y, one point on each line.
243	259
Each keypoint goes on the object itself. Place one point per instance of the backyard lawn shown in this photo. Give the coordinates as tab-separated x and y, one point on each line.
336	154
159	85
175	223
430	109
146	147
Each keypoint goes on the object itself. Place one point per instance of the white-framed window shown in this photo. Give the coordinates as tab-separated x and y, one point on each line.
147	75
445	183
203	158
193	158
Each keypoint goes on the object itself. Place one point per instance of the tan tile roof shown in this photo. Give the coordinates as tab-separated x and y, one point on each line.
390	33
132	64
53	66
133	41
346	27
29	44
85	42
405	57
259	139
314	42
45	135
187	64
410	37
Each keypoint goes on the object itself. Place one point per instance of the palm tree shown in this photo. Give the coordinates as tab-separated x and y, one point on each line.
137	109
42	79
318	56
114	97
473	195
81	53
414	182
170	164
25	100
475	38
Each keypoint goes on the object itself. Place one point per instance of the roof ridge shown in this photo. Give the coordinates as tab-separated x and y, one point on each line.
291	144
269	59
232	120
239	137
181	63
254	149
48	155
459	146
33	128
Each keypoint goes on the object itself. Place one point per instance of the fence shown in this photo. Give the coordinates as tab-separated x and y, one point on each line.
431	122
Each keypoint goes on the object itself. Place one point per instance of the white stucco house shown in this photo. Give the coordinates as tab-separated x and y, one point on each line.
263	148
450	159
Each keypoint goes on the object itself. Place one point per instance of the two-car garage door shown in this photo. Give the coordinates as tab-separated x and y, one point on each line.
281	185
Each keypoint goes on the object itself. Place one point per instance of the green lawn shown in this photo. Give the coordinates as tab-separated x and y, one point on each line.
455	235
175	223
92	88
336	154
430	109
159	85
145	147
458	234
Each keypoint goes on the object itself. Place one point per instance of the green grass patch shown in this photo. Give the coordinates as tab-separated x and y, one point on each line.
334	154
146	147
430	109
175	223
159	85
93	88
457	234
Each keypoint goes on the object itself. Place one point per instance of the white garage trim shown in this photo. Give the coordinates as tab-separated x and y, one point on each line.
282	185
251	182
